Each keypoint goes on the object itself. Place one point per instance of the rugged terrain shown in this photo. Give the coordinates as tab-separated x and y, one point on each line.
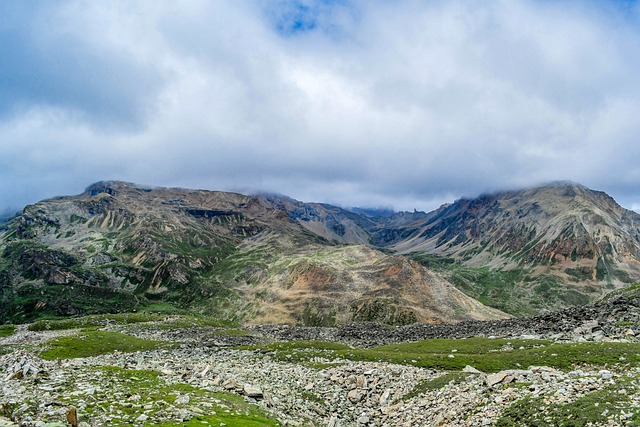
524	252
531	250
271	259
122	247
579	367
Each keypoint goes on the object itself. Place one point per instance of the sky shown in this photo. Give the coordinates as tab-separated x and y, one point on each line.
405	104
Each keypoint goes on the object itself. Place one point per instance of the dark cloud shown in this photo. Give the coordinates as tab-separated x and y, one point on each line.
49	61
407	104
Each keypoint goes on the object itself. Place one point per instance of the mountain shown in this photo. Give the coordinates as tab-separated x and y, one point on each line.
273	259
531	250
260	259
525	252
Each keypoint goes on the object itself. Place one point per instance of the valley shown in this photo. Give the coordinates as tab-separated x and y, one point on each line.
135	306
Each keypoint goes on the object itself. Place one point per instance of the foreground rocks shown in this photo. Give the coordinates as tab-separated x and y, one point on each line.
174	386
343	393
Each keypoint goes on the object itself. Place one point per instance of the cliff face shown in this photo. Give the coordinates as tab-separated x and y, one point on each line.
120	246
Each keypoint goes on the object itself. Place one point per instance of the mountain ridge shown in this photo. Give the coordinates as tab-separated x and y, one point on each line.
120	246
270	258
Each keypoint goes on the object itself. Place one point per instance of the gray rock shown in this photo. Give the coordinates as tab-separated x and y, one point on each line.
354	396
471	370
253	391
182	399
497	378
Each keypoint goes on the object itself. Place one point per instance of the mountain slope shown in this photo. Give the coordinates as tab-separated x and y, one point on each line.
120	246
269	258
524	252
560	237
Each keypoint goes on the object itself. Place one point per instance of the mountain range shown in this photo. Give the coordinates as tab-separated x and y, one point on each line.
271	259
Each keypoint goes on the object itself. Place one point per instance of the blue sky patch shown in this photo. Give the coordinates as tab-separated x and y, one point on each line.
294	17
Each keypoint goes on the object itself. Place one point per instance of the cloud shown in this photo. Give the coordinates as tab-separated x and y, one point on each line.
407	104
55	56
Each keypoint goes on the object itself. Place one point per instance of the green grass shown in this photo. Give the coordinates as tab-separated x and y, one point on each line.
94	343
623	323
592	409
288	346
93	321
184	322
630	291
516	291
7	330
476	345
162	308
233	419
560	356
100	320
487	355
150	393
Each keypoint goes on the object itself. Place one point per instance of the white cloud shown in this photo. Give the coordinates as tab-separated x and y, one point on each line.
363	103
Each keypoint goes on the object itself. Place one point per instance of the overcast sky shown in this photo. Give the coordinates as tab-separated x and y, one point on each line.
406	104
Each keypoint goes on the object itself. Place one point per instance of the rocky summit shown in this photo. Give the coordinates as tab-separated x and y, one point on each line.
271	259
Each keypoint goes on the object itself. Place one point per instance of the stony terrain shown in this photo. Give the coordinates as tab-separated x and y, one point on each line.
347	394
310	384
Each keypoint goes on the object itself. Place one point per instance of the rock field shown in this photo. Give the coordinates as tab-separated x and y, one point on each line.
176	385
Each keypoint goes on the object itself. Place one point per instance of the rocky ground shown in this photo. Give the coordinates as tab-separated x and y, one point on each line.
176	386
347	394
279	386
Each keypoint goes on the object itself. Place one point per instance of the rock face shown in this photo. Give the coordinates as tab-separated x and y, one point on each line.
120	247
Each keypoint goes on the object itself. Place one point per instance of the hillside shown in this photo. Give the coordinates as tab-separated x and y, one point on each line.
123	247
532	250
525	252
272	259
